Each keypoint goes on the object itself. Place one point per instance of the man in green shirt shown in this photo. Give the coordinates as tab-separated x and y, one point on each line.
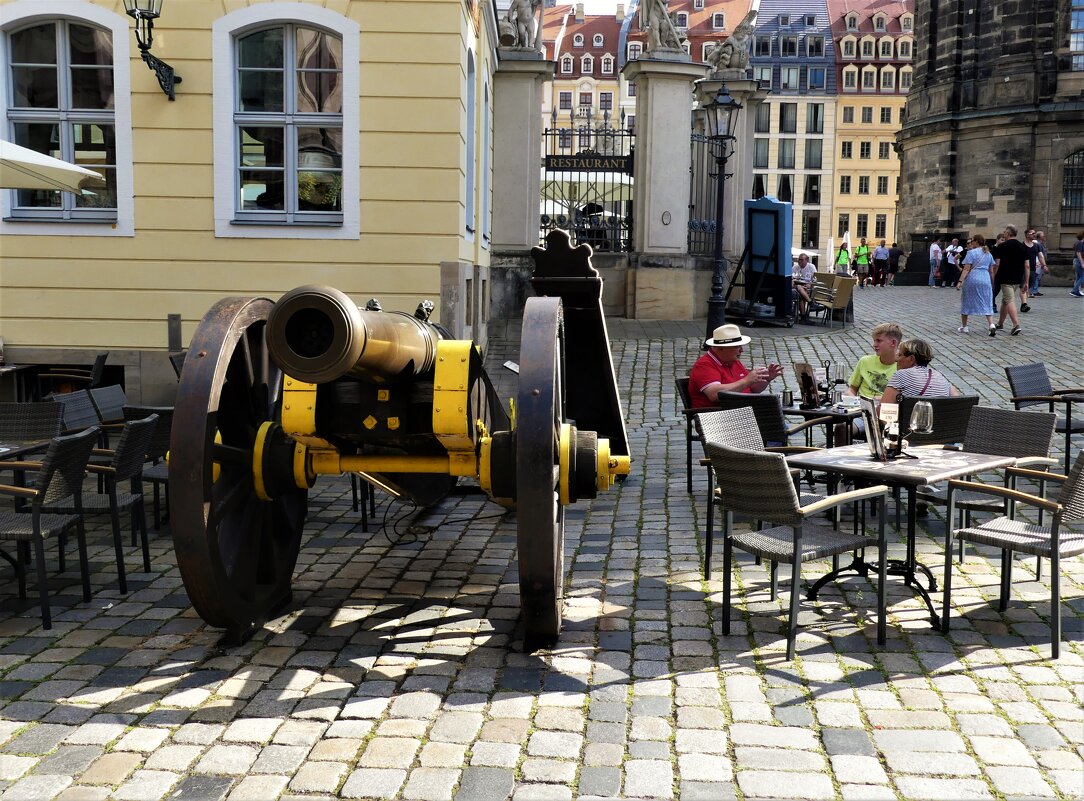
861	262
873	372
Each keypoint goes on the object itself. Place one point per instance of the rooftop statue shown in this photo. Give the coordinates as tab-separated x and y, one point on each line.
734	52
661	33
519	29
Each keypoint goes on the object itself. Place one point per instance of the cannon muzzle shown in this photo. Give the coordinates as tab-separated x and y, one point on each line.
317	334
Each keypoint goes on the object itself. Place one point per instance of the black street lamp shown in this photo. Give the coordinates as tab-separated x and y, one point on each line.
720	115
145	12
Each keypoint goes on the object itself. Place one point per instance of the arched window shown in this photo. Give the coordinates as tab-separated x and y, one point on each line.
577	40
1072	190
587	65
66	94
286	123
607	65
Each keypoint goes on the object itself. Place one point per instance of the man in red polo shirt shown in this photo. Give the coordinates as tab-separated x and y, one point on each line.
719	370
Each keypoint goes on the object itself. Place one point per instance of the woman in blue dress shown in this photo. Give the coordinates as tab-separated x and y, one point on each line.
976	285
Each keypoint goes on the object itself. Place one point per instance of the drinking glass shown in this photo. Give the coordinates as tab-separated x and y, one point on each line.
788	397
841	374
922	418
837	396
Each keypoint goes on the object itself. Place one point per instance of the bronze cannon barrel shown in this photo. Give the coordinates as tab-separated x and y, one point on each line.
317	334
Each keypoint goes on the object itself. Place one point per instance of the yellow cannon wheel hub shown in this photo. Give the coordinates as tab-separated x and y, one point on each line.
564	464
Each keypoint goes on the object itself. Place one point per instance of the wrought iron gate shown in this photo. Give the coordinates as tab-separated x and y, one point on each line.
587	182
703	188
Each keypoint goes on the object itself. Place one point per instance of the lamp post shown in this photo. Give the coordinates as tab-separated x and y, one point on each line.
145	12
720	115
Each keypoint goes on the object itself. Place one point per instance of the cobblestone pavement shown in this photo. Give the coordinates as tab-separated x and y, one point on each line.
397	674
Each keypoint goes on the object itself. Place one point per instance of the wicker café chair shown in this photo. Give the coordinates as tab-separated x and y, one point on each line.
155	468
1030	386
692	434
950	418
759	484
1014	535
125	465
1000	432
74	377
737	428
59	478
29	421
768	410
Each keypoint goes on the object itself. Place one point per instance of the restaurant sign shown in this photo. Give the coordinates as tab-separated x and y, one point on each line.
591	163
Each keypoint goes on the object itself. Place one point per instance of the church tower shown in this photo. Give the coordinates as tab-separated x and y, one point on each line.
994	126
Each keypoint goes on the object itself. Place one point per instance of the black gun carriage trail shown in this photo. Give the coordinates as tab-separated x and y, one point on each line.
274	394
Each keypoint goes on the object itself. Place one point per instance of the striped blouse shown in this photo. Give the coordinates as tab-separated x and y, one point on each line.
916	381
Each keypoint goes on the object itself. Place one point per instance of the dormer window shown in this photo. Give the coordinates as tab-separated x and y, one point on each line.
848	48
814	46
907	22
718	21
784	20
698	4
598	40
681	20
566	64
788	46
905	48
852	22
867	48
879	22
762	46
607	65
577	40
810	20
587	65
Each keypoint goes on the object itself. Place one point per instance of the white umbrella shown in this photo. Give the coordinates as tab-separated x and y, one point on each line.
575	188
22	168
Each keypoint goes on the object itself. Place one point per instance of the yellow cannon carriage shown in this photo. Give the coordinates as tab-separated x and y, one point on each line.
274	394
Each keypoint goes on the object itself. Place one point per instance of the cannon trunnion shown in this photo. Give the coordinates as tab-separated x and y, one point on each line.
273	395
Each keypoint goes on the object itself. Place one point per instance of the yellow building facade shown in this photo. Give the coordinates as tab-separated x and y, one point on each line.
341	142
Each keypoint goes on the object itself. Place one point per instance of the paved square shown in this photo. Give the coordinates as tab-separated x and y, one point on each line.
397	674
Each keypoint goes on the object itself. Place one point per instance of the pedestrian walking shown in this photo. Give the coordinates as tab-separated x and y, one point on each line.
843	261
1078	265
861	262
895	253
935	262
1035	257
950	270
1037	275
976	285
1011	269
880	264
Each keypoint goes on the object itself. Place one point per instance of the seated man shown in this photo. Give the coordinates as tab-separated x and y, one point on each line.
719	370
803	283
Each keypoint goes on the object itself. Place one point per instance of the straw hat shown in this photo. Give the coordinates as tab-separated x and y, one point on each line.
727	336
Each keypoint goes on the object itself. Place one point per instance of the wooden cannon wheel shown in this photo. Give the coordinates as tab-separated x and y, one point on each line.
540	517
236	553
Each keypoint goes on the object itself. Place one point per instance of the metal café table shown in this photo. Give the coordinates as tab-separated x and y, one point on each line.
837	414
920	466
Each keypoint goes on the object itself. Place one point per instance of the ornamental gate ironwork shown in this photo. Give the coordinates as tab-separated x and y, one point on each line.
587	181
703	194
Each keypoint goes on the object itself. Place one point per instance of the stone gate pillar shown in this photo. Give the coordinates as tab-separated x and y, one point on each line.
663	153
517	147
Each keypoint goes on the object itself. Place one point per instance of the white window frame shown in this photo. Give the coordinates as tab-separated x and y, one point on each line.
784	20
587	64
907	22
681	20
852	22
698	4
872	42
869	79
880	22
636	49
607	65
718	21
796	73
906	77
22	13
850	79
470	148
886	40
224	30
577	40
843	45
910	45
811	39
566	64
888	79
598	40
